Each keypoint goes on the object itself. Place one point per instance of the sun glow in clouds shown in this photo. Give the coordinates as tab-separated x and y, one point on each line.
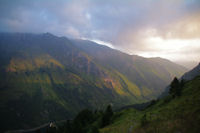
172	48
172	44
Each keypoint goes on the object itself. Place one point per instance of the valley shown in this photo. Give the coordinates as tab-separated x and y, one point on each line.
176	112
45	77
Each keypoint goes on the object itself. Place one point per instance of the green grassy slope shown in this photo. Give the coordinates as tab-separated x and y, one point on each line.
168	115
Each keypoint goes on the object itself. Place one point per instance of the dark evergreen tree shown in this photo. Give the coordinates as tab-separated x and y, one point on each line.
182	83
85	117
106	119
144	120
93	129
68	127
82	121
38	131
78	128
175	88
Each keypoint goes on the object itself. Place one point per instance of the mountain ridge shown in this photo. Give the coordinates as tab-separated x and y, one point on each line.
123	62
44	77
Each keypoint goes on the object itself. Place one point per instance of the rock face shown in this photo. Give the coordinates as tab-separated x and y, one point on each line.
44	77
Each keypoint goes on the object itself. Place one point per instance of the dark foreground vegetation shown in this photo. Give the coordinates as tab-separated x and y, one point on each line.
86	121
177	112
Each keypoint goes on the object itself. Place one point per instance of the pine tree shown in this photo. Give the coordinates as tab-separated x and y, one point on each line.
144	120
175	88
106	119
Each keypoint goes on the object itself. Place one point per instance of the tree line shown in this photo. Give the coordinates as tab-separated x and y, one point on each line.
86	121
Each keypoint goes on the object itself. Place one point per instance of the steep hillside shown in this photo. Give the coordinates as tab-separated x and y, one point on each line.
172	114
151	75
44	77
168	115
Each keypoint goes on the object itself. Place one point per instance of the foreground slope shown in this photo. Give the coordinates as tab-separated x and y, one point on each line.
44	77
167	115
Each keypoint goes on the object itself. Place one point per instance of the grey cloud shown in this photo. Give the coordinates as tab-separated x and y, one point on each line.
125	24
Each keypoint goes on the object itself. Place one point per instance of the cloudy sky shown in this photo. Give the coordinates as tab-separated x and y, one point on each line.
150	28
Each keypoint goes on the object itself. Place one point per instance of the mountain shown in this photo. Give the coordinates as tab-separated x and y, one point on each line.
167	115
46	78
192	74
186	77
151	75
171	114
